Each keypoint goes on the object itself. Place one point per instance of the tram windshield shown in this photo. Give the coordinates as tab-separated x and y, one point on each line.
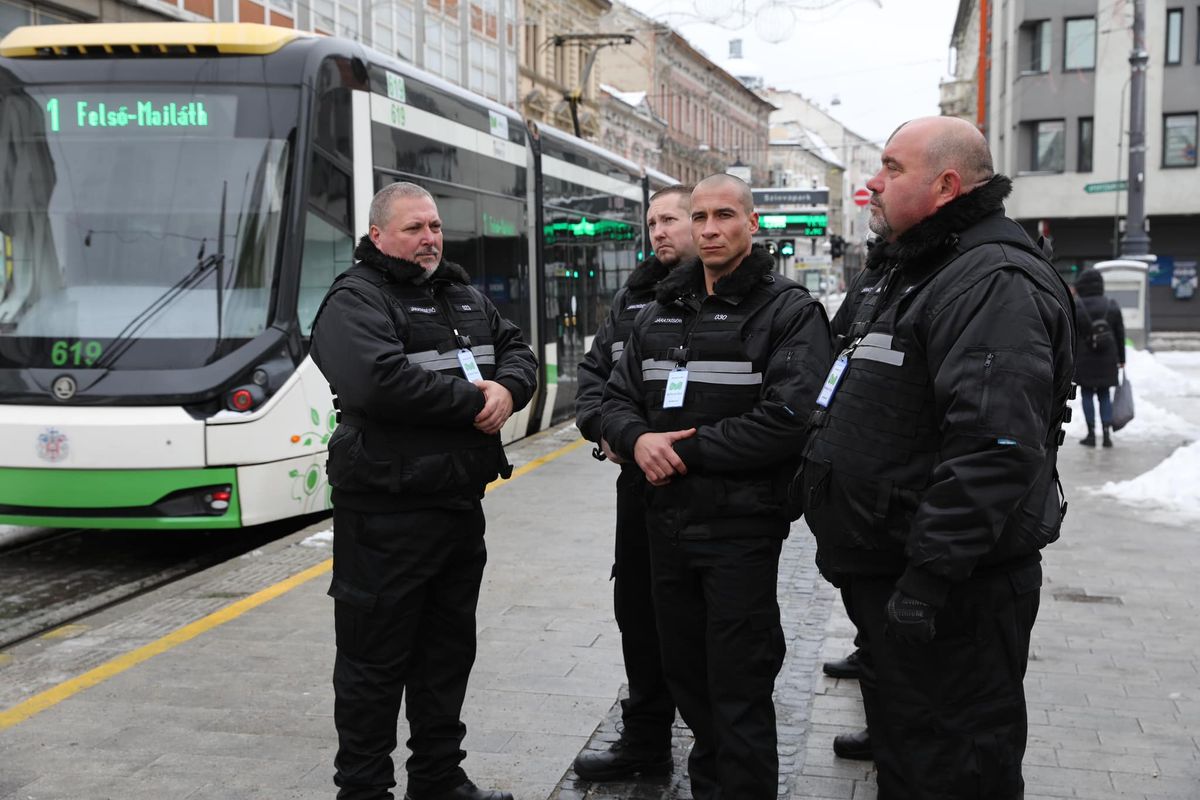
139	224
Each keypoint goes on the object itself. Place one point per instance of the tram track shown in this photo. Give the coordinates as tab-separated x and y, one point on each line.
67	576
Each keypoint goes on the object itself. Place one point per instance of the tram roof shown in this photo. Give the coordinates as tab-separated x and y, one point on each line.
573	141
147	38
660	180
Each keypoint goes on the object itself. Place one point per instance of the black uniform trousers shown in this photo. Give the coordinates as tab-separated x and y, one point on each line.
948	719
722	646
649	712
405	586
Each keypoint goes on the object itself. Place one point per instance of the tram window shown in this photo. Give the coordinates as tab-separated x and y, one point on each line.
329	191
327	253
333	117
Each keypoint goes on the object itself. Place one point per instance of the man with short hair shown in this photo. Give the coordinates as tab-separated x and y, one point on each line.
425	372
644	747
708	401
930	474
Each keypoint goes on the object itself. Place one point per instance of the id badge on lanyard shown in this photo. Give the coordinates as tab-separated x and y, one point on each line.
676	388
832	380
470	369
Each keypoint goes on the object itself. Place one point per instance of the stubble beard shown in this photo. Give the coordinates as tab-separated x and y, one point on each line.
879	225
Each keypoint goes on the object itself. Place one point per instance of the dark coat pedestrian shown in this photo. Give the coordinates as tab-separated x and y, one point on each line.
425	372
1101	348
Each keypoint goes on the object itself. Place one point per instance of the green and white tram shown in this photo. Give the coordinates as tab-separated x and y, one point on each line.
175	198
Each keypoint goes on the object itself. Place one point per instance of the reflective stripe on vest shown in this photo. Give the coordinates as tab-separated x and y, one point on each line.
728	373
617	349
434	361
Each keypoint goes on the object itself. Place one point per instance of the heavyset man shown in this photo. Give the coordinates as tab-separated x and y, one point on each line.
647	715
708	400
929	478
426	372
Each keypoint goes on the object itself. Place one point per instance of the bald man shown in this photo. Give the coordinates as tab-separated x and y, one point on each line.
707	399
930	474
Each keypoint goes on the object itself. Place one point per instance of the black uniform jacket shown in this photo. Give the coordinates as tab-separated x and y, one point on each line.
936	457
609	343
1097	368
388	343
755	352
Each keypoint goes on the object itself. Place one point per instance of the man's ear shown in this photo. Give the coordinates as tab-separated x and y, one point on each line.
374	233
947	186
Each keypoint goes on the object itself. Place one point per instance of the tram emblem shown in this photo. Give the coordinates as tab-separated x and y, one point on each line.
52	445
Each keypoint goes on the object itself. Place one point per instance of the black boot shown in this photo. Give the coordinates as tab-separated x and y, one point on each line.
849	667
622	760
1090	439
1107	438
856	746
464	791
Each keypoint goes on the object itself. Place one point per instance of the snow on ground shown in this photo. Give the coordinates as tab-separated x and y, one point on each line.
1169	488
1150	373
1149	422
319	539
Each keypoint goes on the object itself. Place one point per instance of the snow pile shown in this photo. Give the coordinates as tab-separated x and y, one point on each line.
319	539
1171	486
1151	375
1150	421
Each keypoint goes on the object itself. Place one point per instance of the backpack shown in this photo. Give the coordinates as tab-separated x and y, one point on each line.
1101	335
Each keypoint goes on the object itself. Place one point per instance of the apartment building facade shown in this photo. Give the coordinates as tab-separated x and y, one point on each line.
1055	80
714	122
472	43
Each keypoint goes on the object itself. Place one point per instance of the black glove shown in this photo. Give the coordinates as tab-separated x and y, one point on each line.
909	619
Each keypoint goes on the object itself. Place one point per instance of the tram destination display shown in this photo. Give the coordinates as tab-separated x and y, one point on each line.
134	113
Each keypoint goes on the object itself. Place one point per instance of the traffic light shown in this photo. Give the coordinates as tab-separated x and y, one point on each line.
771	248
836	243
787	247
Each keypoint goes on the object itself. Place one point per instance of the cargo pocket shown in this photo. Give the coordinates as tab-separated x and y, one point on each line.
766	647
352	610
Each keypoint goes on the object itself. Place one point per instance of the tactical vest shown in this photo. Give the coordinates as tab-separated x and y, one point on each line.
725	348
434	320
632	304
872	450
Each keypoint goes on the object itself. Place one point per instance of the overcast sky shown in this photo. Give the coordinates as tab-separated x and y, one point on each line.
881	58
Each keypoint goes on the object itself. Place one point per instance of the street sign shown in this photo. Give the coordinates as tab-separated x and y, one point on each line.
862	197
1109	186
790	197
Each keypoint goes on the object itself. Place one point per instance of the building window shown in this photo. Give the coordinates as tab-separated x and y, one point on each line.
14	15
1036	46
1086	130
1174	35
442	42
1179	140
393	30
1049	149
1079	44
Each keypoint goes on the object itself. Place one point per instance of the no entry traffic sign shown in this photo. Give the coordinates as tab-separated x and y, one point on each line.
862	197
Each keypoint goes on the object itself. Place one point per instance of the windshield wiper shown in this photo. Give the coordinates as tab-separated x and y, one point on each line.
128	335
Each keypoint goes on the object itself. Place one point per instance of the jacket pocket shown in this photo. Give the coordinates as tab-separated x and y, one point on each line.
351	468
850	511
466	470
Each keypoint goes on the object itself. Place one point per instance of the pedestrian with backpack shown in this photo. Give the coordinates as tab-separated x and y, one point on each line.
1101	352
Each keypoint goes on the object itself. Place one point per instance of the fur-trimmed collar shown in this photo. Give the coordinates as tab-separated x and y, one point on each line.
687	279
647	274
941	231
400	270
